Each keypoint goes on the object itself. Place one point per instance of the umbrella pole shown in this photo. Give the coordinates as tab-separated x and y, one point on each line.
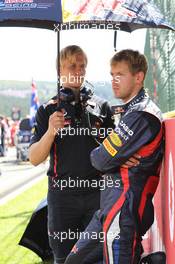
58	70
115	40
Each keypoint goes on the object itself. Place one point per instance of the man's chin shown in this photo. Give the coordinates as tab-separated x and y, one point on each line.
76	87
72	86
116	95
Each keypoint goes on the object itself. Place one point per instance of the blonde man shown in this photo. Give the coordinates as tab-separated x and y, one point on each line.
72	198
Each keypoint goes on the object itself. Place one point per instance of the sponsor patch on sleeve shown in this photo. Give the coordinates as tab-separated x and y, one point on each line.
33	130
110	149
115	139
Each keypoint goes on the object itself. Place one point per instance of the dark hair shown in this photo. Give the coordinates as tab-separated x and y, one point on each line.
135	60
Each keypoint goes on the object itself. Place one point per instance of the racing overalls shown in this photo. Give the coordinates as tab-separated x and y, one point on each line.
126	211
72	199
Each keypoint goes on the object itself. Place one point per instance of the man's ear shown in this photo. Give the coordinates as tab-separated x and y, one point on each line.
140	77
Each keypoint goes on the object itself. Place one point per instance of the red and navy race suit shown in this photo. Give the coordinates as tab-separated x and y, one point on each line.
71	208
126	210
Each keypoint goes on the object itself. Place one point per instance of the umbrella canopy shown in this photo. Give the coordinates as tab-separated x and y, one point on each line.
125	15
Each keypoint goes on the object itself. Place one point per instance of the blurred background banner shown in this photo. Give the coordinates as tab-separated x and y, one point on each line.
162	234
34	103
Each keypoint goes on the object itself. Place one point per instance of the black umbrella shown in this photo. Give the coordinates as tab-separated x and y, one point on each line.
35	236
57	15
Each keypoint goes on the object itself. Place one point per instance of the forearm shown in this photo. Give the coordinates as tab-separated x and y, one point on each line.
39	151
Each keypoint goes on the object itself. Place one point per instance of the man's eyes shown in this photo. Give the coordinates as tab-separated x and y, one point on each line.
117	75
72	66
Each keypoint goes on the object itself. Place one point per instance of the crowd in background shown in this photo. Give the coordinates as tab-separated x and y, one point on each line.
8	129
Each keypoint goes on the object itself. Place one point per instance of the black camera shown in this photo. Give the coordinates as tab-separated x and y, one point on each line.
68	96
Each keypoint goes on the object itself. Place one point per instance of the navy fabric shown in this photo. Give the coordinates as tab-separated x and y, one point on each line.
36	9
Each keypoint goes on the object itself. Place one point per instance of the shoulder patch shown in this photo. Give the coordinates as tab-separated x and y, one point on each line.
33	130
110	149
115	139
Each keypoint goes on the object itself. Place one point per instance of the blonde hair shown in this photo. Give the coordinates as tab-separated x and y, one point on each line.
70	51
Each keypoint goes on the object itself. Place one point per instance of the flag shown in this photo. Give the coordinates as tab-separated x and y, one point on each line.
34	104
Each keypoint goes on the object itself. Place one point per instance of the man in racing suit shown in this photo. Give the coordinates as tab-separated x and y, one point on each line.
126	212
74	192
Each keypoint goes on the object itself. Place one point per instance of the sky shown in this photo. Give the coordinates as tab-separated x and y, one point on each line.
27	53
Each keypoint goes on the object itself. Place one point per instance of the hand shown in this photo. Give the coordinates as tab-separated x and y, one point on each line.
132	162
56	122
